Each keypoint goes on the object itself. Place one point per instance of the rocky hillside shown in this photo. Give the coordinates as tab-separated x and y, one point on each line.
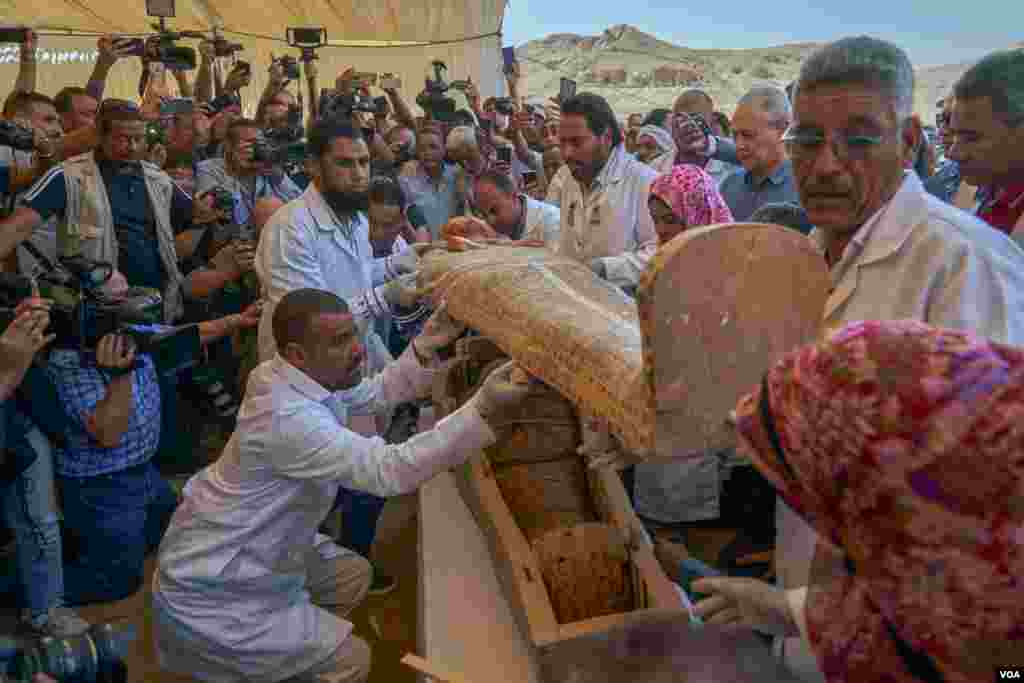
637	72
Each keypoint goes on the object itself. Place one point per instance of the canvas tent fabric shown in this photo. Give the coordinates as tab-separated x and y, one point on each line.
397	36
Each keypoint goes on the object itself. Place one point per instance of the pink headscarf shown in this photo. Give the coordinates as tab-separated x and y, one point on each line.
692	195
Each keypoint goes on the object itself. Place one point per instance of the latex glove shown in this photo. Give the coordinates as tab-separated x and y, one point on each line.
439	331
600	449
402	292
747	603
499	393
407	261
598	267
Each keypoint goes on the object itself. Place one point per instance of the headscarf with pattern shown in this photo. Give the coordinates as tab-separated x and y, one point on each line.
692	195
903	445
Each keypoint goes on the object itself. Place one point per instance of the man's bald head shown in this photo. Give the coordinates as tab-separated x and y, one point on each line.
296	314
263	211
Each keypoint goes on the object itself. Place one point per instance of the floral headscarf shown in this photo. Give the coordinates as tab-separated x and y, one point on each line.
903	445
692	195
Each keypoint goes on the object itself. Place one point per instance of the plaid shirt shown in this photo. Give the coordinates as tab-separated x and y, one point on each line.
80	387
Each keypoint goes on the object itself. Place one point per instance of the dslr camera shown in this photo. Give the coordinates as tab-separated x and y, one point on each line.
16	136
282	146
162	47
433	99
97	656
82	314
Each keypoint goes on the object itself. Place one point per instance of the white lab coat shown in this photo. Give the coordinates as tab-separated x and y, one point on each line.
303	247
917	258
229	587
612	220
543	222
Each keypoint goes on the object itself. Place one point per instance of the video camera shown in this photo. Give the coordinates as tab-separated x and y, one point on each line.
433	100
335	104
161	47
97	656
282	146
16	136
82	313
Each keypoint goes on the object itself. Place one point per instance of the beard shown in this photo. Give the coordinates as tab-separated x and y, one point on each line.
346	204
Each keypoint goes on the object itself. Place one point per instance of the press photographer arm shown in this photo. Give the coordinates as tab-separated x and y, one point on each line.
402	112
21	341
108	57
204	77
27	67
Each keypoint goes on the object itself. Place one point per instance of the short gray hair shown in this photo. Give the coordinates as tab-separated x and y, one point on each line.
1000	76
865	61
770	100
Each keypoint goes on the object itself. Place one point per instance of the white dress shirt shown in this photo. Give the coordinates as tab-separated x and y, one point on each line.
304	246
922	259
611	221
229	587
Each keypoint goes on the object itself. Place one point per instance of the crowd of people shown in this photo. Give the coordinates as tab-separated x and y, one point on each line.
860	454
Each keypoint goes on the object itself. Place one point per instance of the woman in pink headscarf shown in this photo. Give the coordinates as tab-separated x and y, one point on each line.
686	197
678	492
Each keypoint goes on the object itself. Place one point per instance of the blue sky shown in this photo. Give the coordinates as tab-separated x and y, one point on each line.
932	31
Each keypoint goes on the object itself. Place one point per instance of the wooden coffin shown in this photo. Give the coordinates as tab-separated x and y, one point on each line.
577	333
526	560
715	308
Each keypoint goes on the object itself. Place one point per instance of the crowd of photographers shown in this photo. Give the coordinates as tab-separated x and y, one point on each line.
149	251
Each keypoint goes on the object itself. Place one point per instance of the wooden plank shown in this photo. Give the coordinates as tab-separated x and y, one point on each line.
466	621
433	670
515	562
610	496
718	305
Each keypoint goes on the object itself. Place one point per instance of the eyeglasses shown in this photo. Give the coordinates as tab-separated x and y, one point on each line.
805	145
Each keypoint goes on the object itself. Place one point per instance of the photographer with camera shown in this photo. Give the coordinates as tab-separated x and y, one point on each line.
114	208
245	171
116	505
27	482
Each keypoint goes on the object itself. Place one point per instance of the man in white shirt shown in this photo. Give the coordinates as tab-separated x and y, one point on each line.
895	251
322	239
243	575
512	213
605	219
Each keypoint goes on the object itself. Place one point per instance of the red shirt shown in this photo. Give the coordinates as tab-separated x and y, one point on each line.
1004	208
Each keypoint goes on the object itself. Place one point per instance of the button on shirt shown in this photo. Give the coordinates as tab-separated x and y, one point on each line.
229	587
745	195
611	220
81	386
213	173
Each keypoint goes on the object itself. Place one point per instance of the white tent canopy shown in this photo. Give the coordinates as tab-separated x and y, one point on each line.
397	36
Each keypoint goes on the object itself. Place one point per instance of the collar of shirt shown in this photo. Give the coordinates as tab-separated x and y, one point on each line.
877	227
613	168
298	380
778	177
